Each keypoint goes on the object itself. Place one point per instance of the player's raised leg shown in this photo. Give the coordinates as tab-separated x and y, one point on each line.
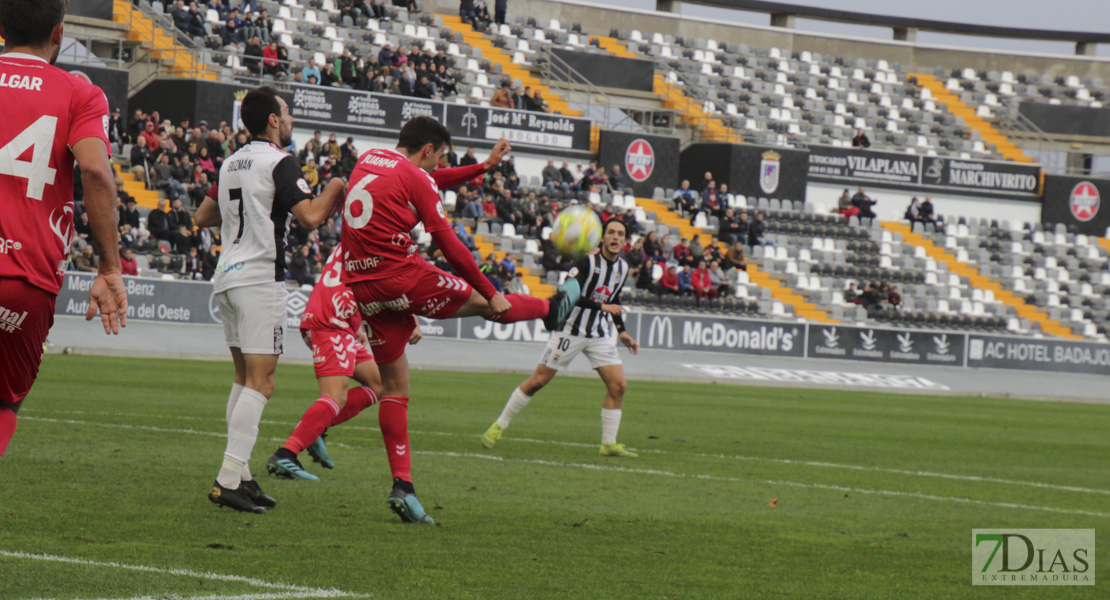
520	398
615	386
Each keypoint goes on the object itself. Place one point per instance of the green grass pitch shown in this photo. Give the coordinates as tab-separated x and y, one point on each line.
102	493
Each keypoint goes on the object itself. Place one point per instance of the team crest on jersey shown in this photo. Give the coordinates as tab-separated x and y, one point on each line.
572	273
303	185
601	294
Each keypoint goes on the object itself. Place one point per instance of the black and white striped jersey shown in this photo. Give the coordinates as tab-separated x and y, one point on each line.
601	282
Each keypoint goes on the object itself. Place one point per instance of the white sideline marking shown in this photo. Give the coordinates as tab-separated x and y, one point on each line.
783	461
668	473
288	590
819	486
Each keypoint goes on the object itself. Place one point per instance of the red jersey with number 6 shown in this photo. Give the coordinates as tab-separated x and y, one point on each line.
332	304
388	196
45	112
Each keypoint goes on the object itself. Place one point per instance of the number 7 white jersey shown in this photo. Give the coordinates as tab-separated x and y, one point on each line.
259	186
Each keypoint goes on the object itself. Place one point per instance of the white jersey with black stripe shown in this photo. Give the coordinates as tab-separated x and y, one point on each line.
259	185
601	281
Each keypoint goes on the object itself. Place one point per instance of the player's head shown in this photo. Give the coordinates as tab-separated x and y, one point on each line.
423	140
33	24
612	241
267	117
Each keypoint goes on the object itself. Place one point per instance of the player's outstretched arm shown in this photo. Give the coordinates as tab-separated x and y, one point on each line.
312	213
108	294
449	178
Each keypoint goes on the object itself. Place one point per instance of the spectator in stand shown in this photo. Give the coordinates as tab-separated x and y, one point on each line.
129	213
681	252
913	211
445	81
194	265
491	270
599	182
466	11
730	229
529	209
328	78
616	180
629	219
643	274
735	258
685	199
508	266
551	178
695	250
199	189
181	216
757	231
499	9
713	253
388	59
473	209
502	98
518	98
187	19
568	177
718	279
863	203
702	284
253	55
844	202
158	222
505	211
117	132
311	71
926	210
851	295
208	263
870	297
606	214
468	158
86	261
128	263
424	88
538	103
651	246
668	283
463	235
481	15
893	298
230	34
346	68
517	285
149	137
709	202
205	239
860	140
182	240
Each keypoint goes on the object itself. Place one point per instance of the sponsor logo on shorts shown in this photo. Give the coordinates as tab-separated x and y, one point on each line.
9	246
373	308
11	320
434	305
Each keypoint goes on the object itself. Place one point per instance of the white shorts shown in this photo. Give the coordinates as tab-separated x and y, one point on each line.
254	317
563	347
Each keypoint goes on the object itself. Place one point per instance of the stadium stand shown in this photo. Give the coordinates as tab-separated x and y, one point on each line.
957	273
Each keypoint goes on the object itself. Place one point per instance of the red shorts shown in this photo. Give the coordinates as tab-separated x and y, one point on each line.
388	304
333	351
26	314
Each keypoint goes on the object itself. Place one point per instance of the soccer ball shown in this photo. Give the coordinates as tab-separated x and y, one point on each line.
576	232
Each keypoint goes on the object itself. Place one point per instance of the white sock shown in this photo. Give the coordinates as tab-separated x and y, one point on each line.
610	423
232	399
242	431
517	401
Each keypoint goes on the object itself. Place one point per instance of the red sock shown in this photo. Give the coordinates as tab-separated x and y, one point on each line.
7	428
358	399
314	421
393	418
525	308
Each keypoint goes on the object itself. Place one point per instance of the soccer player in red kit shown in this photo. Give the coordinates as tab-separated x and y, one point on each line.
390	192
51	118
332	327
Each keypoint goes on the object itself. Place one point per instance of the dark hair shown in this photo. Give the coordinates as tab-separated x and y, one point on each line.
258	105
420	131
619	222
30	22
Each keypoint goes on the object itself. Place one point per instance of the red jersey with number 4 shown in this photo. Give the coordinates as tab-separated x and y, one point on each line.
388	196
332	304
45	111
